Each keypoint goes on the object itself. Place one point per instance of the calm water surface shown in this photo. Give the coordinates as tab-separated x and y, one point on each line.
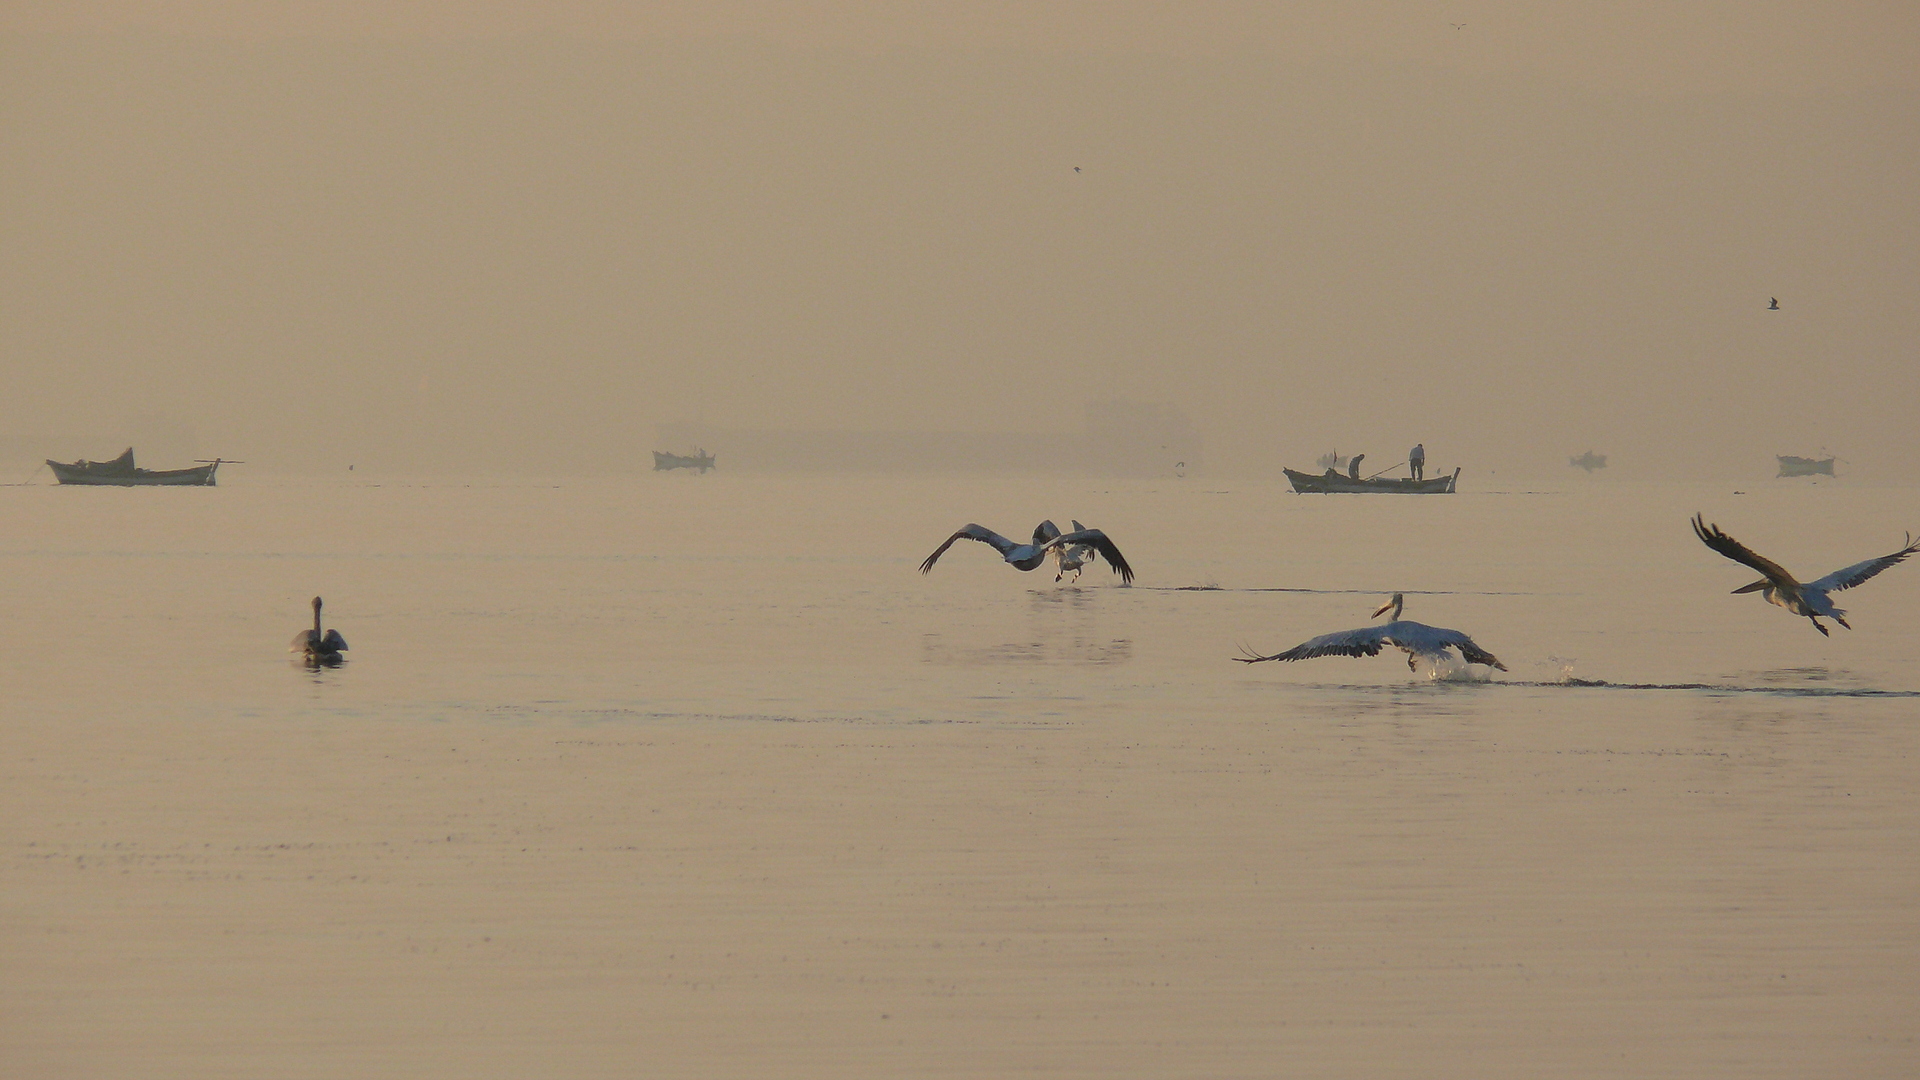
698	776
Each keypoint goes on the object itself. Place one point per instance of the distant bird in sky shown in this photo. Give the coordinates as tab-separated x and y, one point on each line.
1779	587
319	648
1458	25
1775	305
1076	168
1047	540
1415	639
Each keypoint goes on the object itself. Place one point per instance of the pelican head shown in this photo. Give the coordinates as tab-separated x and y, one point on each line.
1392	605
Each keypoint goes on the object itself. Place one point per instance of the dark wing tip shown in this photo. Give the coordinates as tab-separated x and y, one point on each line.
1309	652
969	530
1105	546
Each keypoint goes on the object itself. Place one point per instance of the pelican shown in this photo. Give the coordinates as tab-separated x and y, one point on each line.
1073	550
1074	557
1779	587
1415	639
319	648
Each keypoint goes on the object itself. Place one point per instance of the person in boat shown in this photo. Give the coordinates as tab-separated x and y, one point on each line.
1353	467
1417	460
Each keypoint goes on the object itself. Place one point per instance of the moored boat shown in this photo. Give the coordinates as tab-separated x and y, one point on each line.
1332	482
121	472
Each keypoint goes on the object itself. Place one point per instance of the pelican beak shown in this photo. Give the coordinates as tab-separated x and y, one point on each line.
1755	587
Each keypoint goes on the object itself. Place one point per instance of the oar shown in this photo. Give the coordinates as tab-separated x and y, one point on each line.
1388	469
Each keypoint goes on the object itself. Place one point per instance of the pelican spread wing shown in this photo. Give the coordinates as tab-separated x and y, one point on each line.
1098	541
1414	639
1365	641
1473	654
1811	600
970	532
1861	571
315	641
1711	536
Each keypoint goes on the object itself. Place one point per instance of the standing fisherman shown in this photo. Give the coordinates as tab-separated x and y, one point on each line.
1417	460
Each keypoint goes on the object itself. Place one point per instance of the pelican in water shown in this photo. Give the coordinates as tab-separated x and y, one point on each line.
1779	587
1415	639
319	648
1072	550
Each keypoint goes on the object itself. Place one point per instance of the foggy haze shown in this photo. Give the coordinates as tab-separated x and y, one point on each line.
529	251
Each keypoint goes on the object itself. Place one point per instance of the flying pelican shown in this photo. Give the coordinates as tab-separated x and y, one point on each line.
1074	557
1779	587
1047	539
319	648
1415	639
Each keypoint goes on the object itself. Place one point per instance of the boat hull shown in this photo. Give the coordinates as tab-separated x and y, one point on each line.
121	472
663	462
1799	466
1333	483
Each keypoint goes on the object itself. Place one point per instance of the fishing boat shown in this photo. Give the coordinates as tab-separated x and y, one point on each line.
1799	466
1588	461
700	460
1331	482
121	472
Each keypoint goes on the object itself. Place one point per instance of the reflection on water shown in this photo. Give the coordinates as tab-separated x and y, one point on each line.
1062	628
1796	676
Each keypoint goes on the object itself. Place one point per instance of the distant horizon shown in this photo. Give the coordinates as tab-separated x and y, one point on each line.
497	247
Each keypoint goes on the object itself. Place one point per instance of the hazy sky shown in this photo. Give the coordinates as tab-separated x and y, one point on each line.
516	233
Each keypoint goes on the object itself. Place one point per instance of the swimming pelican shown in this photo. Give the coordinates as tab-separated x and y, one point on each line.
320	649
1779	587
1415	639
1047	539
